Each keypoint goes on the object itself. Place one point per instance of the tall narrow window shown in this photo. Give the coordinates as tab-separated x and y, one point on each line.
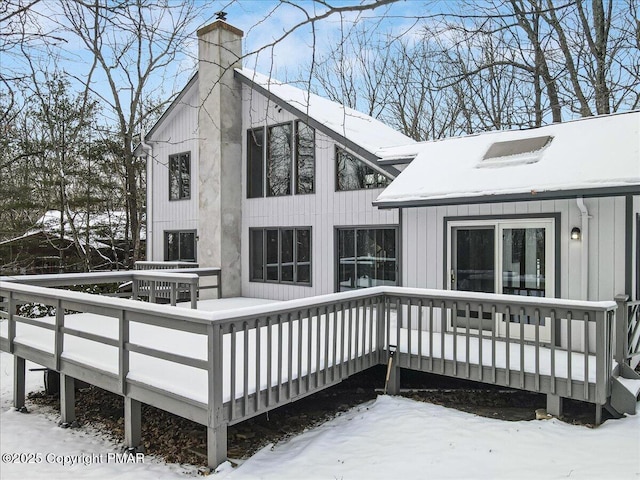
180	246
256	240
305	158
280	255
354	174
273	259
180	176
279	160
303	255
255	162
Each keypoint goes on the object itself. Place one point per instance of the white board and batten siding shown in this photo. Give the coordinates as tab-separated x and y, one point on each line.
177	134
323	210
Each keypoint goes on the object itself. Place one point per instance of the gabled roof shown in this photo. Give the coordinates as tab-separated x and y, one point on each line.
361	133
594	156
138	150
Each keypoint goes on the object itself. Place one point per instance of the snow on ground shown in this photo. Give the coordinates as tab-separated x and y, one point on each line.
39	433
390	437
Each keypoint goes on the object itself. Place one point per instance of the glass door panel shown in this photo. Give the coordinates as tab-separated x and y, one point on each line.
474	265
526	271
474	270
523	261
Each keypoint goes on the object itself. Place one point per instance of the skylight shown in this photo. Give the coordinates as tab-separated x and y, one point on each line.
515	152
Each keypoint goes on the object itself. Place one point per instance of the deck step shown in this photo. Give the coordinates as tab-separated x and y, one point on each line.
632	385
624	395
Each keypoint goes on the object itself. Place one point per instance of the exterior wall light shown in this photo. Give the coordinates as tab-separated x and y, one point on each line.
575	233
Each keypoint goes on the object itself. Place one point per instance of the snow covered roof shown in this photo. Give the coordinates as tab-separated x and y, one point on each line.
360	132
592	156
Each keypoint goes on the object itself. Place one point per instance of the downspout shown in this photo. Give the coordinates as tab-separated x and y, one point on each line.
148	149
585	248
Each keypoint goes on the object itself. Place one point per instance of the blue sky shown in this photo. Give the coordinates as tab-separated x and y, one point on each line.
263	21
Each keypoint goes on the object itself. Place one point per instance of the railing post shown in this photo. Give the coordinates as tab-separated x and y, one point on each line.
216	428
11	330
173	296
381	320
135	288
621	328
152	291
603	354
123	353
59	335
193	293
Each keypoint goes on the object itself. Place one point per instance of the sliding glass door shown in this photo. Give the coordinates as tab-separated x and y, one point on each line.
513	257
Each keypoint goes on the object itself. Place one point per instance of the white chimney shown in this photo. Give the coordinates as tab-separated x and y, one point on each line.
220	152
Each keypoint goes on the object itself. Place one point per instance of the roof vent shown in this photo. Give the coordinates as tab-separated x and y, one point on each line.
515	152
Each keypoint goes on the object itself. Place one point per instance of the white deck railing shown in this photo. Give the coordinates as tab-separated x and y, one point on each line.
219	368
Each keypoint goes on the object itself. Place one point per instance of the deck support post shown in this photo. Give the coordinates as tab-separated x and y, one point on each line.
67	400
132	422
554	405
598	414
216	445
19	385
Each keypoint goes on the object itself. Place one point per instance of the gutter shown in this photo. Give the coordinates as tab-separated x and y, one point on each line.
585	247
148	149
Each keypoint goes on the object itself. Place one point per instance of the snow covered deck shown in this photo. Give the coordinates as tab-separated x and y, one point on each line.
235	358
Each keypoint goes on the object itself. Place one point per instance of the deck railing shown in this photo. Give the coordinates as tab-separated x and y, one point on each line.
575	361
628	329
240	363
156	290
153	285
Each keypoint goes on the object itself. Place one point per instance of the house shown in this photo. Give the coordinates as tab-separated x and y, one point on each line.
271	183
294	195
289	196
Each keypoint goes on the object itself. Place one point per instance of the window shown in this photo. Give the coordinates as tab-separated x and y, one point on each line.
354	174
305	158
255	162
280	255
180	176
367	257
279	160
282	165
180	246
